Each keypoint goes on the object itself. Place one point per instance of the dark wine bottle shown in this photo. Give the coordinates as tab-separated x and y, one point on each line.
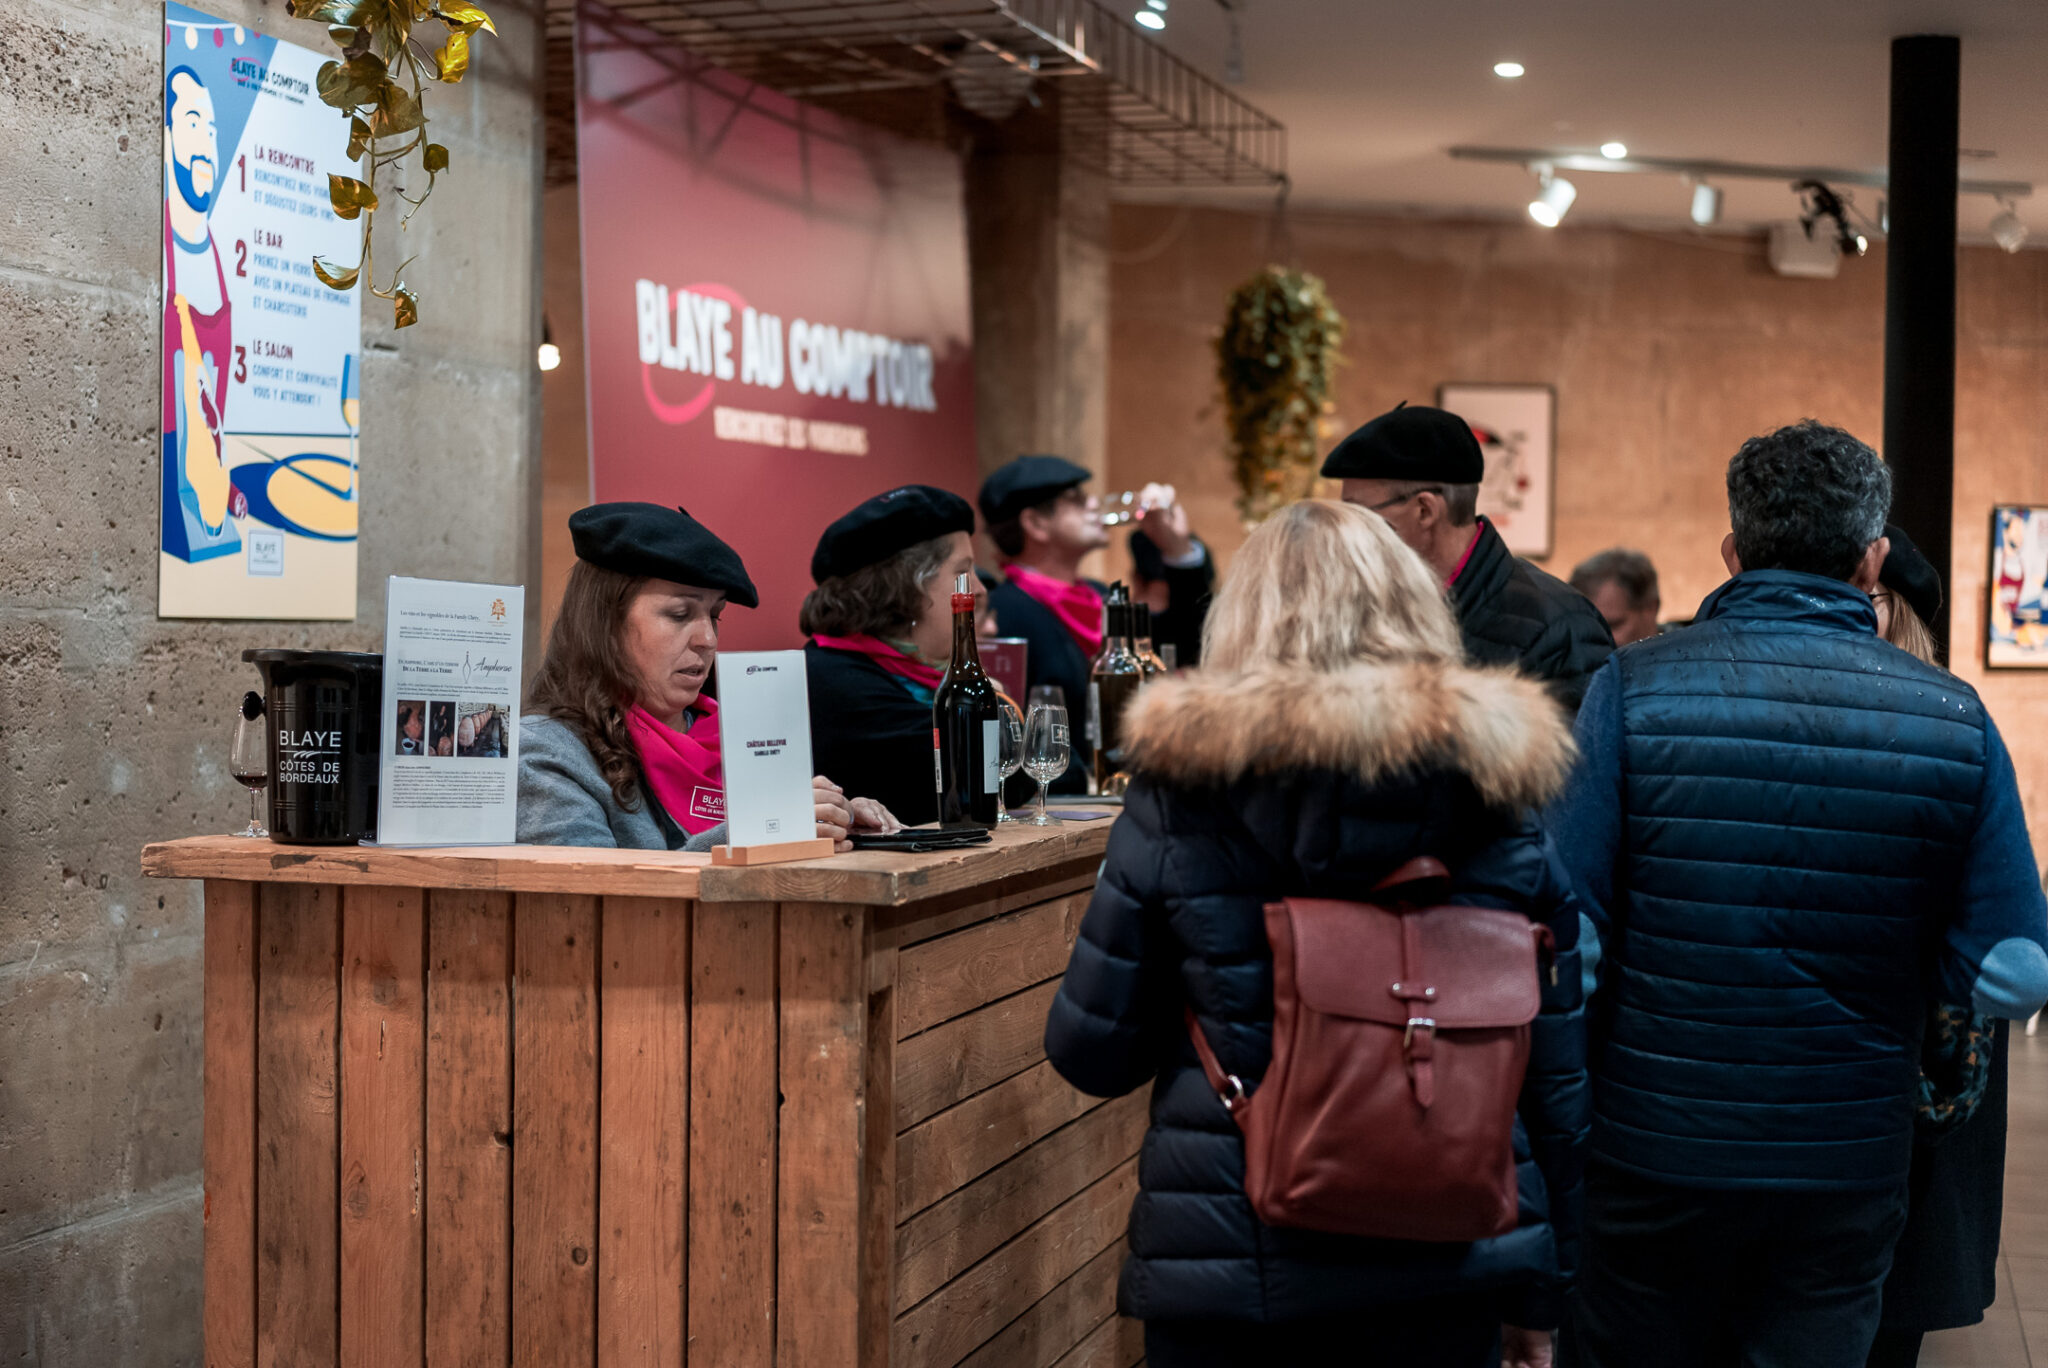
1113	681
966	722
1148	658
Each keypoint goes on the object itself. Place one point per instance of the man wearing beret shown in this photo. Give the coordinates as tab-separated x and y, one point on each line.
1044	525
1420	468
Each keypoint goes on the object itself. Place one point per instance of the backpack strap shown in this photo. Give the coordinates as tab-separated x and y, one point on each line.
1229	1087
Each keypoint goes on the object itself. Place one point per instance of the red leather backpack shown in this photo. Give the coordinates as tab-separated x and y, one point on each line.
1400	1038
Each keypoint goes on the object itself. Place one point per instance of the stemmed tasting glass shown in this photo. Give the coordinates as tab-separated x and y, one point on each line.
1046	695
1046	750
1009	750
249	756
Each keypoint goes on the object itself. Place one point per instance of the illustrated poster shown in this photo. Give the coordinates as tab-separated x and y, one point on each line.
1517	430
2016	629
261	362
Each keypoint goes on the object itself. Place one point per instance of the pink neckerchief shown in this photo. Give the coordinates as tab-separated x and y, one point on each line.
1470	547
683	769
1076	605
887	656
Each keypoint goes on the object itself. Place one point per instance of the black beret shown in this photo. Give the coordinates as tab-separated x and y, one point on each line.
886	524
660	543
1027	482
1411	442
1910	575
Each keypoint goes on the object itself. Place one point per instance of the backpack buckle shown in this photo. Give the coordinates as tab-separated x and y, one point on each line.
1234	1097
1417	1024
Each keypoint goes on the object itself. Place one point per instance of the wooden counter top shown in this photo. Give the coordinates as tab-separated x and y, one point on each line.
869	878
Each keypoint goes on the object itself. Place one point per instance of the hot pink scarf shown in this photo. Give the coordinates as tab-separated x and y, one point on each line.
1076	605
886	656
683	769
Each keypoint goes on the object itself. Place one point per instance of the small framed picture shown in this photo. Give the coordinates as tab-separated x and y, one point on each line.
1517	430
2016	627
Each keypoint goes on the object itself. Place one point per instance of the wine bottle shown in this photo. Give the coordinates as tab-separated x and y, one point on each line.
1113	680
966	721
1148	658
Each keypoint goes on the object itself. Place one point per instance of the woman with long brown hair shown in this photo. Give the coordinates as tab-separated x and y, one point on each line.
620	746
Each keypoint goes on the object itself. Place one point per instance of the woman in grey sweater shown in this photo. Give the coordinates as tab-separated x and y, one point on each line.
620	747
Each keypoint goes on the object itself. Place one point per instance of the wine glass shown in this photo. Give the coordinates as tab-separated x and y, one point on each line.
249	756
1009	749
1046	696
1046	751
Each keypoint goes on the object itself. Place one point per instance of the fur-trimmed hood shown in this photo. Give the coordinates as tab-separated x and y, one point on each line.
1370	720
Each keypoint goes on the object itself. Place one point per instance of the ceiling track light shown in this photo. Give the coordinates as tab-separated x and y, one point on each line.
2006	229
1706	204
1150	18
1554	201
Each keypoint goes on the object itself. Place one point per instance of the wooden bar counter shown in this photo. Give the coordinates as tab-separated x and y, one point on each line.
541	1107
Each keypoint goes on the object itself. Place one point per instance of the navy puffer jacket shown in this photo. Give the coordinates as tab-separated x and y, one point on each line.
1280	784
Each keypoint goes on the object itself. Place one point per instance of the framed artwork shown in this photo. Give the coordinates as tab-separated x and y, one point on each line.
1517	430
2016	627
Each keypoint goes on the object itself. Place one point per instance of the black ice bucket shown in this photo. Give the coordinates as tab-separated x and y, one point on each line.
324	709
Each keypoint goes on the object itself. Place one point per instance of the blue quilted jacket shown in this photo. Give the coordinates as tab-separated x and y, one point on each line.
1254	788
1789	834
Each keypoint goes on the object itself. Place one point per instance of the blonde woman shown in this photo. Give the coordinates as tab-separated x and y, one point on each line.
1333	733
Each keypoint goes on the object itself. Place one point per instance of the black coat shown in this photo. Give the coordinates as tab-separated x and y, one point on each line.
1945	1267
1052	656
1511	613
1298	784
869	735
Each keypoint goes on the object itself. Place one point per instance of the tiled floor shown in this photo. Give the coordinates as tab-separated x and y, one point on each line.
2019	1319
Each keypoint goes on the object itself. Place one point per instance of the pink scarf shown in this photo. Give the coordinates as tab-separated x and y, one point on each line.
1076	605
683	769
886	656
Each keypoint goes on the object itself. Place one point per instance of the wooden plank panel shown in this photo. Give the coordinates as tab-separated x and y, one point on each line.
644	1111
903	927
522	868
732	1135
229	1131
1063	1319
953	1062
936	1244
878	1161
298	1145
823	1001
383	1141
962	1142
953	974
967	1312
554	1121
1116	1343
469	1129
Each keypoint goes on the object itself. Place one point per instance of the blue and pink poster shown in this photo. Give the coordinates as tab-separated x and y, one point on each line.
262	362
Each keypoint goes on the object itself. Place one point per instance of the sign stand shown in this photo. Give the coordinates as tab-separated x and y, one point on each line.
764	737
781	853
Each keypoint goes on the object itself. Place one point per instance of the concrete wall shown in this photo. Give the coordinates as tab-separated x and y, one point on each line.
114	726
1666	351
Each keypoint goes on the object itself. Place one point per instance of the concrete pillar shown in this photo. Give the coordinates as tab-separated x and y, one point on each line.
1037	247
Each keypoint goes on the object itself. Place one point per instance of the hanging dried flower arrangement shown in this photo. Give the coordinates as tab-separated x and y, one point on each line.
1274	361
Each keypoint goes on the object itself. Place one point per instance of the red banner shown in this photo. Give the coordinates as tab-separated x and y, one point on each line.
775	308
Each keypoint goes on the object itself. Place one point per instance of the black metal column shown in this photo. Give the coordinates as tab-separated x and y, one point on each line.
1920	298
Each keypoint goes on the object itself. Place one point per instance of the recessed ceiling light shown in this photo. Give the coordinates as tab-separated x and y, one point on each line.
1150	18
1507	70
1614	151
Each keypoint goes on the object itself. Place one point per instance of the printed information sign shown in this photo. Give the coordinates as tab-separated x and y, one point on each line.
450	768
261	362
764	732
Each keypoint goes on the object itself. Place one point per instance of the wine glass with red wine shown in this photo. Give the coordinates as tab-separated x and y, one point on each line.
249	757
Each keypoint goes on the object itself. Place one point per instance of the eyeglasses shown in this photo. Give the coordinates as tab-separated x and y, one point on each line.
1402	498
